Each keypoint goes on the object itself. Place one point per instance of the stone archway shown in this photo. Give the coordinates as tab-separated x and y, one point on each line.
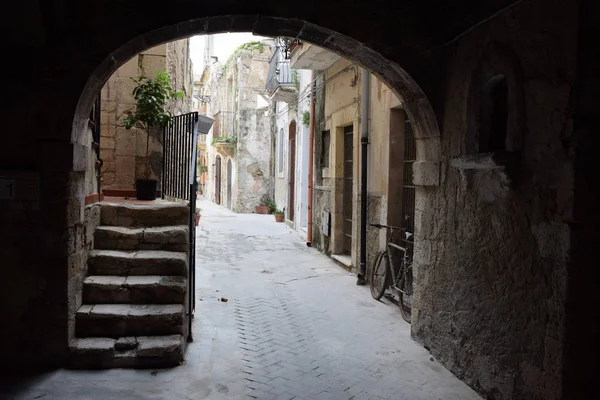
415	102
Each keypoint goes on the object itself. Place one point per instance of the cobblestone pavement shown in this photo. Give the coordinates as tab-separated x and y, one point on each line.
294	326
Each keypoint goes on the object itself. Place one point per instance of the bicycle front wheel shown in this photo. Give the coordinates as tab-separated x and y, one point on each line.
406	294
380	277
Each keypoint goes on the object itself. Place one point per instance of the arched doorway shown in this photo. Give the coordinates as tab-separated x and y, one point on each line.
229	183
218	180
291	170
399	81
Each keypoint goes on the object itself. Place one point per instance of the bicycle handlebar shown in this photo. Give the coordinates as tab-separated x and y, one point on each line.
388	227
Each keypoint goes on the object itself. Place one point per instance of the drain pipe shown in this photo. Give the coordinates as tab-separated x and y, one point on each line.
311	149
364	141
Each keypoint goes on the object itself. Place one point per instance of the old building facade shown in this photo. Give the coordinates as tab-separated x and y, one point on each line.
237	149
289	93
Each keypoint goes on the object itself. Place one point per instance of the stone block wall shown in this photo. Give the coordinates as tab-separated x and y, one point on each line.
492	247
123	151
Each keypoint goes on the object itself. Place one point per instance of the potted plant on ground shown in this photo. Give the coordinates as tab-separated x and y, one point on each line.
197	215
152	97
278	215
266	205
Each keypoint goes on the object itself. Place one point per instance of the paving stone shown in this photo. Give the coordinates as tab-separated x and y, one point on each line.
310	334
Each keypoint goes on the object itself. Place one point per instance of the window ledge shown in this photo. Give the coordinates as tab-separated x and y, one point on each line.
486	161
470	166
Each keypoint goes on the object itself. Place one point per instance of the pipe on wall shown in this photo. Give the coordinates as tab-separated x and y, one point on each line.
364	142
311	149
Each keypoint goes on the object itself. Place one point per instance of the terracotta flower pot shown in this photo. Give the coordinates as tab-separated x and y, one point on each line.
197	219
278	217
262	209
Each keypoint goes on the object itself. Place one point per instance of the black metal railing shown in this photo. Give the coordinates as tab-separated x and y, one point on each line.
280	72
180	140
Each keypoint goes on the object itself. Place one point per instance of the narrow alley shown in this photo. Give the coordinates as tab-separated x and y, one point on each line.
274	320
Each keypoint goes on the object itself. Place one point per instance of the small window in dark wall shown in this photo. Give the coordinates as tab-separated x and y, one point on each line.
493	115
325	141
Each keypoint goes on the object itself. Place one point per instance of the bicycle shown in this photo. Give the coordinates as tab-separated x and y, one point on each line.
387	272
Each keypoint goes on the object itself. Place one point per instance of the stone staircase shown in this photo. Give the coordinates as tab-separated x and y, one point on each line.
134	301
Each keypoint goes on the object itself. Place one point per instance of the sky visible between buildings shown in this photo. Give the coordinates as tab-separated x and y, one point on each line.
224	45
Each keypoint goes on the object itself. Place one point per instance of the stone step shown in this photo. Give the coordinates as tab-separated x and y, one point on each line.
142	262
127	352
116	320
162	213
169	238
151	289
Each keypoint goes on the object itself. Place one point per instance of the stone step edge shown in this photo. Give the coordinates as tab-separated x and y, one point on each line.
104	262
103	309
127	351
125	253
143	280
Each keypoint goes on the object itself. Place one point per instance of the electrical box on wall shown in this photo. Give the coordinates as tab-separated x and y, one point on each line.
325	222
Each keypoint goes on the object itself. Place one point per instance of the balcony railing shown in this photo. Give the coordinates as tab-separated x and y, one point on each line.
279	73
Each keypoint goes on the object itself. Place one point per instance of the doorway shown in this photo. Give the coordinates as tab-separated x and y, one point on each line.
292	180
229	183
347	195
218	180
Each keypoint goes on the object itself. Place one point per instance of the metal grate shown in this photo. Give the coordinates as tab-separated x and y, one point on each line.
408	188
280	72
348	181
180	140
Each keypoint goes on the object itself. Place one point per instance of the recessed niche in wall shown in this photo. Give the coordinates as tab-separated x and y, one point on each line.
495	127
493	116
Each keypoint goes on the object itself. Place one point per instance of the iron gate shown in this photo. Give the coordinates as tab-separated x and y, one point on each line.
408	187
180	141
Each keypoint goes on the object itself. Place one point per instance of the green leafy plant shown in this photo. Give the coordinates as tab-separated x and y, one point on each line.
249	46
267	201
305	118
277	212
152	95
224	139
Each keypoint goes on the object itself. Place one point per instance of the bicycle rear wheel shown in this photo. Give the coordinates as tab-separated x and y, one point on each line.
380	277
406	294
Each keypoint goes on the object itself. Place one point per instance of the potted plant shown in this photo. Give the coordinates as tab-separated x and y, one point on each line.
278	215
152	97
266	204
197	216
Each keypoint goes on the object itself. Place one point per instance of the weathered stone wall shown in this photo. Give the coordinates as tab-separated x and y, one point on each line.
253	151
240	112
181	72
123	151
492	248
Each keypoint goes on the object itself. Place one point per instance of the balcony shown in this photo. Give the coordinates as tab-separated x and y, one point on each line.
281	84
307	56
225	145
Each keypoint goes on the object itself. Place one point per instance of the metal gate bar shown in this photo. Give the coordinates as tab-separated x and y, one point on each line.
180	139
408	187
